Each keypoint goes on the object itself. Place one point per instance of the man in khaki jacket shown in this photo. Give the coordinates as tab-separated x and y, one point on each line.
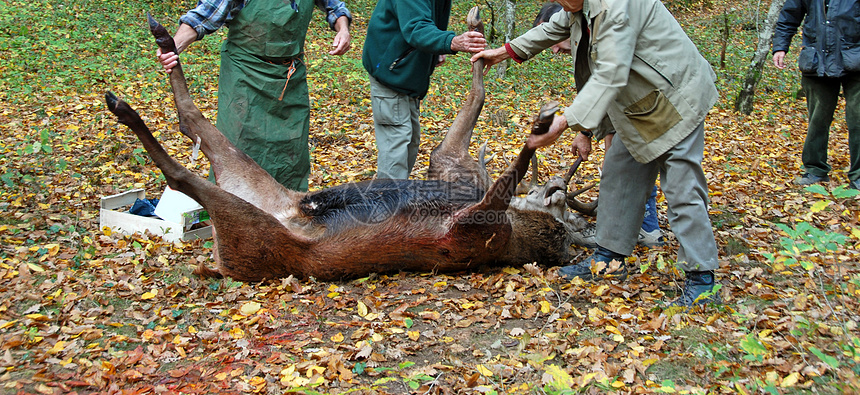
649	78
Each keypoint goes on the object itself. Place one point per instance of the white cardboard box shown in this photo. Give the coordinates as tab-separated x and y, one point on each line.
126	223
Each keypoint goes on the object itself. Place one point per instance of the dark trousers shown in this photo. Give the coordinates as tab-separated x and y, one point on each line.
822	95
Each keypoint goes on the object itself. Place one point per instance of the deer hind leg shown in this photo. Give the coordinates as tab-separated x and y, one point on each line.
450	160
234	171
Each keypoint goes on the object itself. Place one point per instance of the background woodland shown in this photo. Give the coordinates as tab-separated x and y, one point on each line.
85	310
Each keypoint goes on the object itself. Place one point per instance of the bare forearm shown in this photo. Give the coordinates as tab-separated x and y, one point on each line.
184	36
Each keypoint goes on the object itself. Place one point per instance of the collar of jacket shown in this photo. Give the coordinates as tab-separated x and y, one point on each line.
592	8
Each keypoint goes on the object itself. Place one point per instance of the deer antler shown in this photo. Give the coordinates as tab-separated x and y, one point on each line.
589	209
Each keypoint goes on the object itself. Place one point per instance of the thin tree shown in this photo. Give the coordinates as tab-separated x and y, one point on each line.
744	101
509	15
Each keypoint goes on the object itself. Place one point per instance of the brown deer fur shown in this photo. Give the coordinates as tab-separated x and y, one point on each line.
456	220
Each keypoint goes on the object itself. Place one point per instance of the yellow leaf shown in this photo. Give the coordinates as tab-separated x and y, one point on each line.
314	370
337	338
7	324
413	335
362	309
511	271
53	249
250	308
149	295
440	284
819	205
58	347
559	378
34	267
484	371
790	380
545	307
237	333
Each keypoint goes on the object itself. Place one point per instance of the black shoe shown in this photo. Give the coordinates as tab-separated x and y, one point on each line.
809	179
583	269
698	290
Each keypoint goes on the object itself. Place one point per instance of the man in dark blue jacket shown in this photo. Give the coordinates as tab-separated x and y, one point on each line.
405	41
829	59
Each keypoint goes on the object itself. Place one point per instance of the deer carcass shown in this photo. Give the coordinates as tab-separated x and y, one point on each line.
455	220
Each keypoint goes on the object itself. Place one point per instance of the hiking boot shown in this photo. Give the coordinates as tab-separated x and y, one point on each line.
650	239
587	237
854	184
583	269
809	179
698	288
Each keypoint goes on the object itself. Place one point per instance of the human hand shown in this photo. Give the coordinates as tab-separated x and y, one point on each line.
441	60
581	146
184	36
779	59
491	57
473	42
341	43
342	39
558	126
168	60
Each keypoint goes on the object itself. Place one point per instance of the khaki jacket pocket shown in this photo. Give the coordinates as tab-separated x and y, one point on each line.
653	115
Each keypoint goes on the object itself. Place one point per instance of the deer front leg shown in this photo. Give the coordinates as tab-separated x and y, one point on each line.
485	225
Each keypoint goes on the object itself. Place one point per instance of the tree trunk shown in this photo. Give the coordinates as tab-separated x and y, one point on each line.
744	101
725	37
509	19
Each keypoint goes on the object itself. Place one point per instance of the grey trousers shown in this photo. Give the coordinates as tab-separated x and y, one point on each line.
398	131
626	184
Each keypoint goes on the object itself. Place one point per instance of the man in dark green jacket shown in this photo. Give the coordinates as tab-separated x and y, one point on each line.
405	42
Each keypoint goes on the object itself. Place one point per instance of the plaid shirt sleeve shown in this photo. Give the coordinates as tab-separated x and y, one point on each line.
210	15
333	9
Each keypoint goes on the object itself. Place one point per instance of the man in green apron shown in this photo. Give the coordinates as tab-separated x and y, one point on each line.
263	105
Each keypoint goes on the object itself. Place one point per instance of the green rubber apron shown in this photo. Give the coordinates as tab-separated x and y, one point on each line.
263	103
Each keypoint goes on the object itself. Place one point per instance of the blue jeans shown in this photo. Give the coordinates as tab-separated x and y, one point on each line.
649	223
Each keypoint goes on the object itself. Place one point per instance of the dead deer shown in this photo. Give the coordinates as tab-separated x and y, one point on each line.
453	221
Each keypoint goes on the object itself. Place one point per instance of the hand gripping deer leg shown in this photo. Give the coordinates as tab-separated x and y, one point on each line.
234	171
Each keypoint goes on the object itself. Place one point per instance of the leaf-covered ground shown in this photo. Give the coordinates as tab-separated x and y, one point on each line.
85	310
